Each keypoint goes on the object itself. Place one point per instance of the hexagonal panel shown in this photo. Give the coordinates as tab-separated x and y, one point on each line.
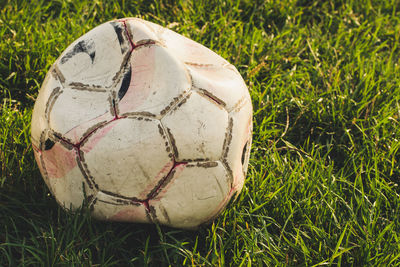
128	157
193	196
106	207
197	128
64	177
76	111
50	87
157	80
186	49
95	58
237	151
224	83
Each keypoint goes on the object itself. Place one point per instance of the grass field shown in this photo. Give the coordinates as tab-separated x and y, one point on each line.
322	187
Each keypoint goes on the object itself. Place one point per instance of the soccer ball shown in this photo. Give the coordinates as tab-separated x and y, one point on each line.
144	125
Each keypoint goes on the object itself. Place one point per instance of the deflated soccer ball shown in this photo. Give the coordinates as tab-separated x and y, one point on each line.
143	124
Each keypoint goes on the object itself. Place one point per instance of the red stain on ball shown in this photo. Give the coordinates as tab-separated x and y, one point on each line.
175	172
131	214
78	133
58	161
159	177
143	76
96	136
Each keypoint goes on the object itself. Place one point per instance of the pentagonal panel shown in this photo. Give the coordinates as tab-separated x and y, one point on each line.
106	207
128	156
156	81
238	143
64	177
186	49
51	87
76	111
139	32
95	58
193	195
224	83
197	128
